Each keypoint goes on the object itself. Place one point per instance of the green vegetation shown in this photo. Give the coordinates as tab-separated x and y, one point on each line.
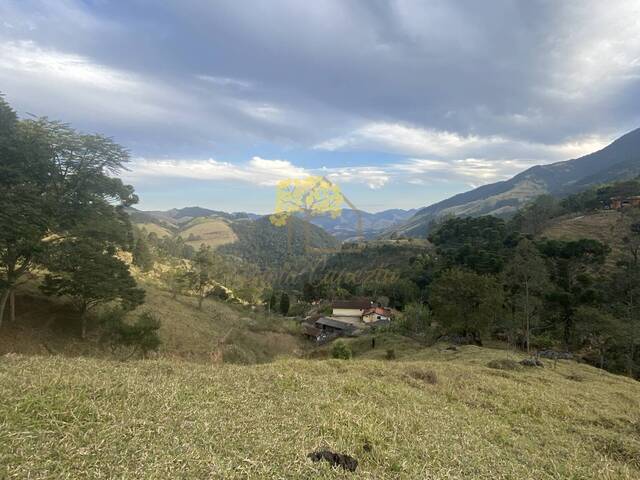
341	350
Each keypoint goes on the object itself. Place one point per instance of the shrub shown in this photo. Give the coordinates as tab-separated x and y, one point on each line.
426	376
138	337
341	350
391	354
504	364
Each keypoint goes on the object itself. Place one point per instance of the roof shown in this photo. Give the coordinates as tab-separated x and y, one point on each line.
378	311
357	303
333	323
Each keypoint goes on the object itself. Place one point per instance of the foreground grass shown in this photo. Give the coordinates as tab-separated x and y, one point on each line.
442	418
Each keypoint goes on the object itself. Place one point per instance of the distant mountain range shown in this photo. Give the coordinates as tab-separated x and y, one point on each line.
618	161
348	225
351	224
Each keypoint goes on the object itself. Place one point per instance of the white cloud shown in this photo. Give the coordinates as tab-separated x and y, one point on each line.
259	171
406	139
225	81
442	145
25	57
373	177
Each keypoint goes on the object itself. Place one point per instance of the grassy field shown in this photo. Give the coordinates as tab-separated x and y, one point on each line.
438	415
159	230
213	232
603	226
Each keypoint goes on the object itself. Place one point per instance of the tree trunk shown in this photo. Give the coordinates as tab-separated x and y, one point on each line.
12	306
200	300
83	331
526	316
3	303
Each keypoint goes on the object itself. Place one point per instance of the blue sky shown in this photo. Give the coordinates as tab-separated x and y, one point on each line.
402	103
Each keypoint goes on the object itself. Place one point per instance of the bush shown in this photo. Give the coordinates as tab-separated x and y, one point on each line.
391	354
341	350
138	337
504	364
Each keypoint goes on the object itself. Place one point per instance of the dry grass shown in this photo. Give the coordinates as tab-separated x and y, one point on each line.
213	232
155	228
82	418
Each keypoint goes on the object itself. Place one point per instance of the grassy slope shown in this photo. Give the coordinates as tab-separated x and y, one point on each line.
157	229
85	418
210	231
602	226
48	325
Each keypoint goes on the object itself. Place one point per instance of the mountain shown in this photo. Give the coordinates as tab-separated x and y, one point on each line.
618	161
184	215
346	225
248	236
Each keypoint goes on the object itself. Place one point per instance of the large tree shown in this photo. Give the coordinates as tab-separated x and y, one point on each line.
56	185
526	279
90	274
466	302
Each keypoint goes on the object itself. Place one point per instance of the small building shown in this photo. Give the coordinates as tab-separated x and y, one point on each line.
618	203
334	325
376	314
350	308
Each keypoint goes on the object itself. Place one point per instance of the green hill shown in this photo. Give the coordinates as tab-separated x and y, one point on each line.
448	417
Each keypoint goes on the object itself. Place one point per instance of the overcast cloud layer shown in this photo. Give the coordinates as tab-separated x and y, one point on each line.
401	102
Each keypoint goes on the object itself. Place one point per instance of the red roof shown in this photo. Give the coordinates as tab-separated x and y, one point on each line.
378	311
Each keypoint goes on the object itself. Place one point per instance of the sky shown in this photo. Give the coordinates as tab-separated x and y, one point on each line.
401	103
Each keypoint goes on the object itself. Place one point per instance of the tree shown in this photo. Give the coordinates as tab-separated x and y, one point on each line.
201	276
526	278
55	185
273	302
284	304
415	320
175	278
598	329
476	244
90	275
142	256
466	302
574	264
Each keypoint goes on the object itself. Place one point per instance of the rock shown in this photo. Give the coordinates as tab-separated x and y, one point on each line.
531	362
553	355
335	459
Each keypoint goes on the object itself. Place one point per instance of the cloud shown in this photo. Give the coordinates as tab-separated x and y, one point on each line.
459	91
403	139
259	171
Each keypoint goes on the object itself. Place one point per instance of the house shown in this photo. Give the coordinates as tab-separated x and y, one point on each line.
335	325
618	203
350	308
376	314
